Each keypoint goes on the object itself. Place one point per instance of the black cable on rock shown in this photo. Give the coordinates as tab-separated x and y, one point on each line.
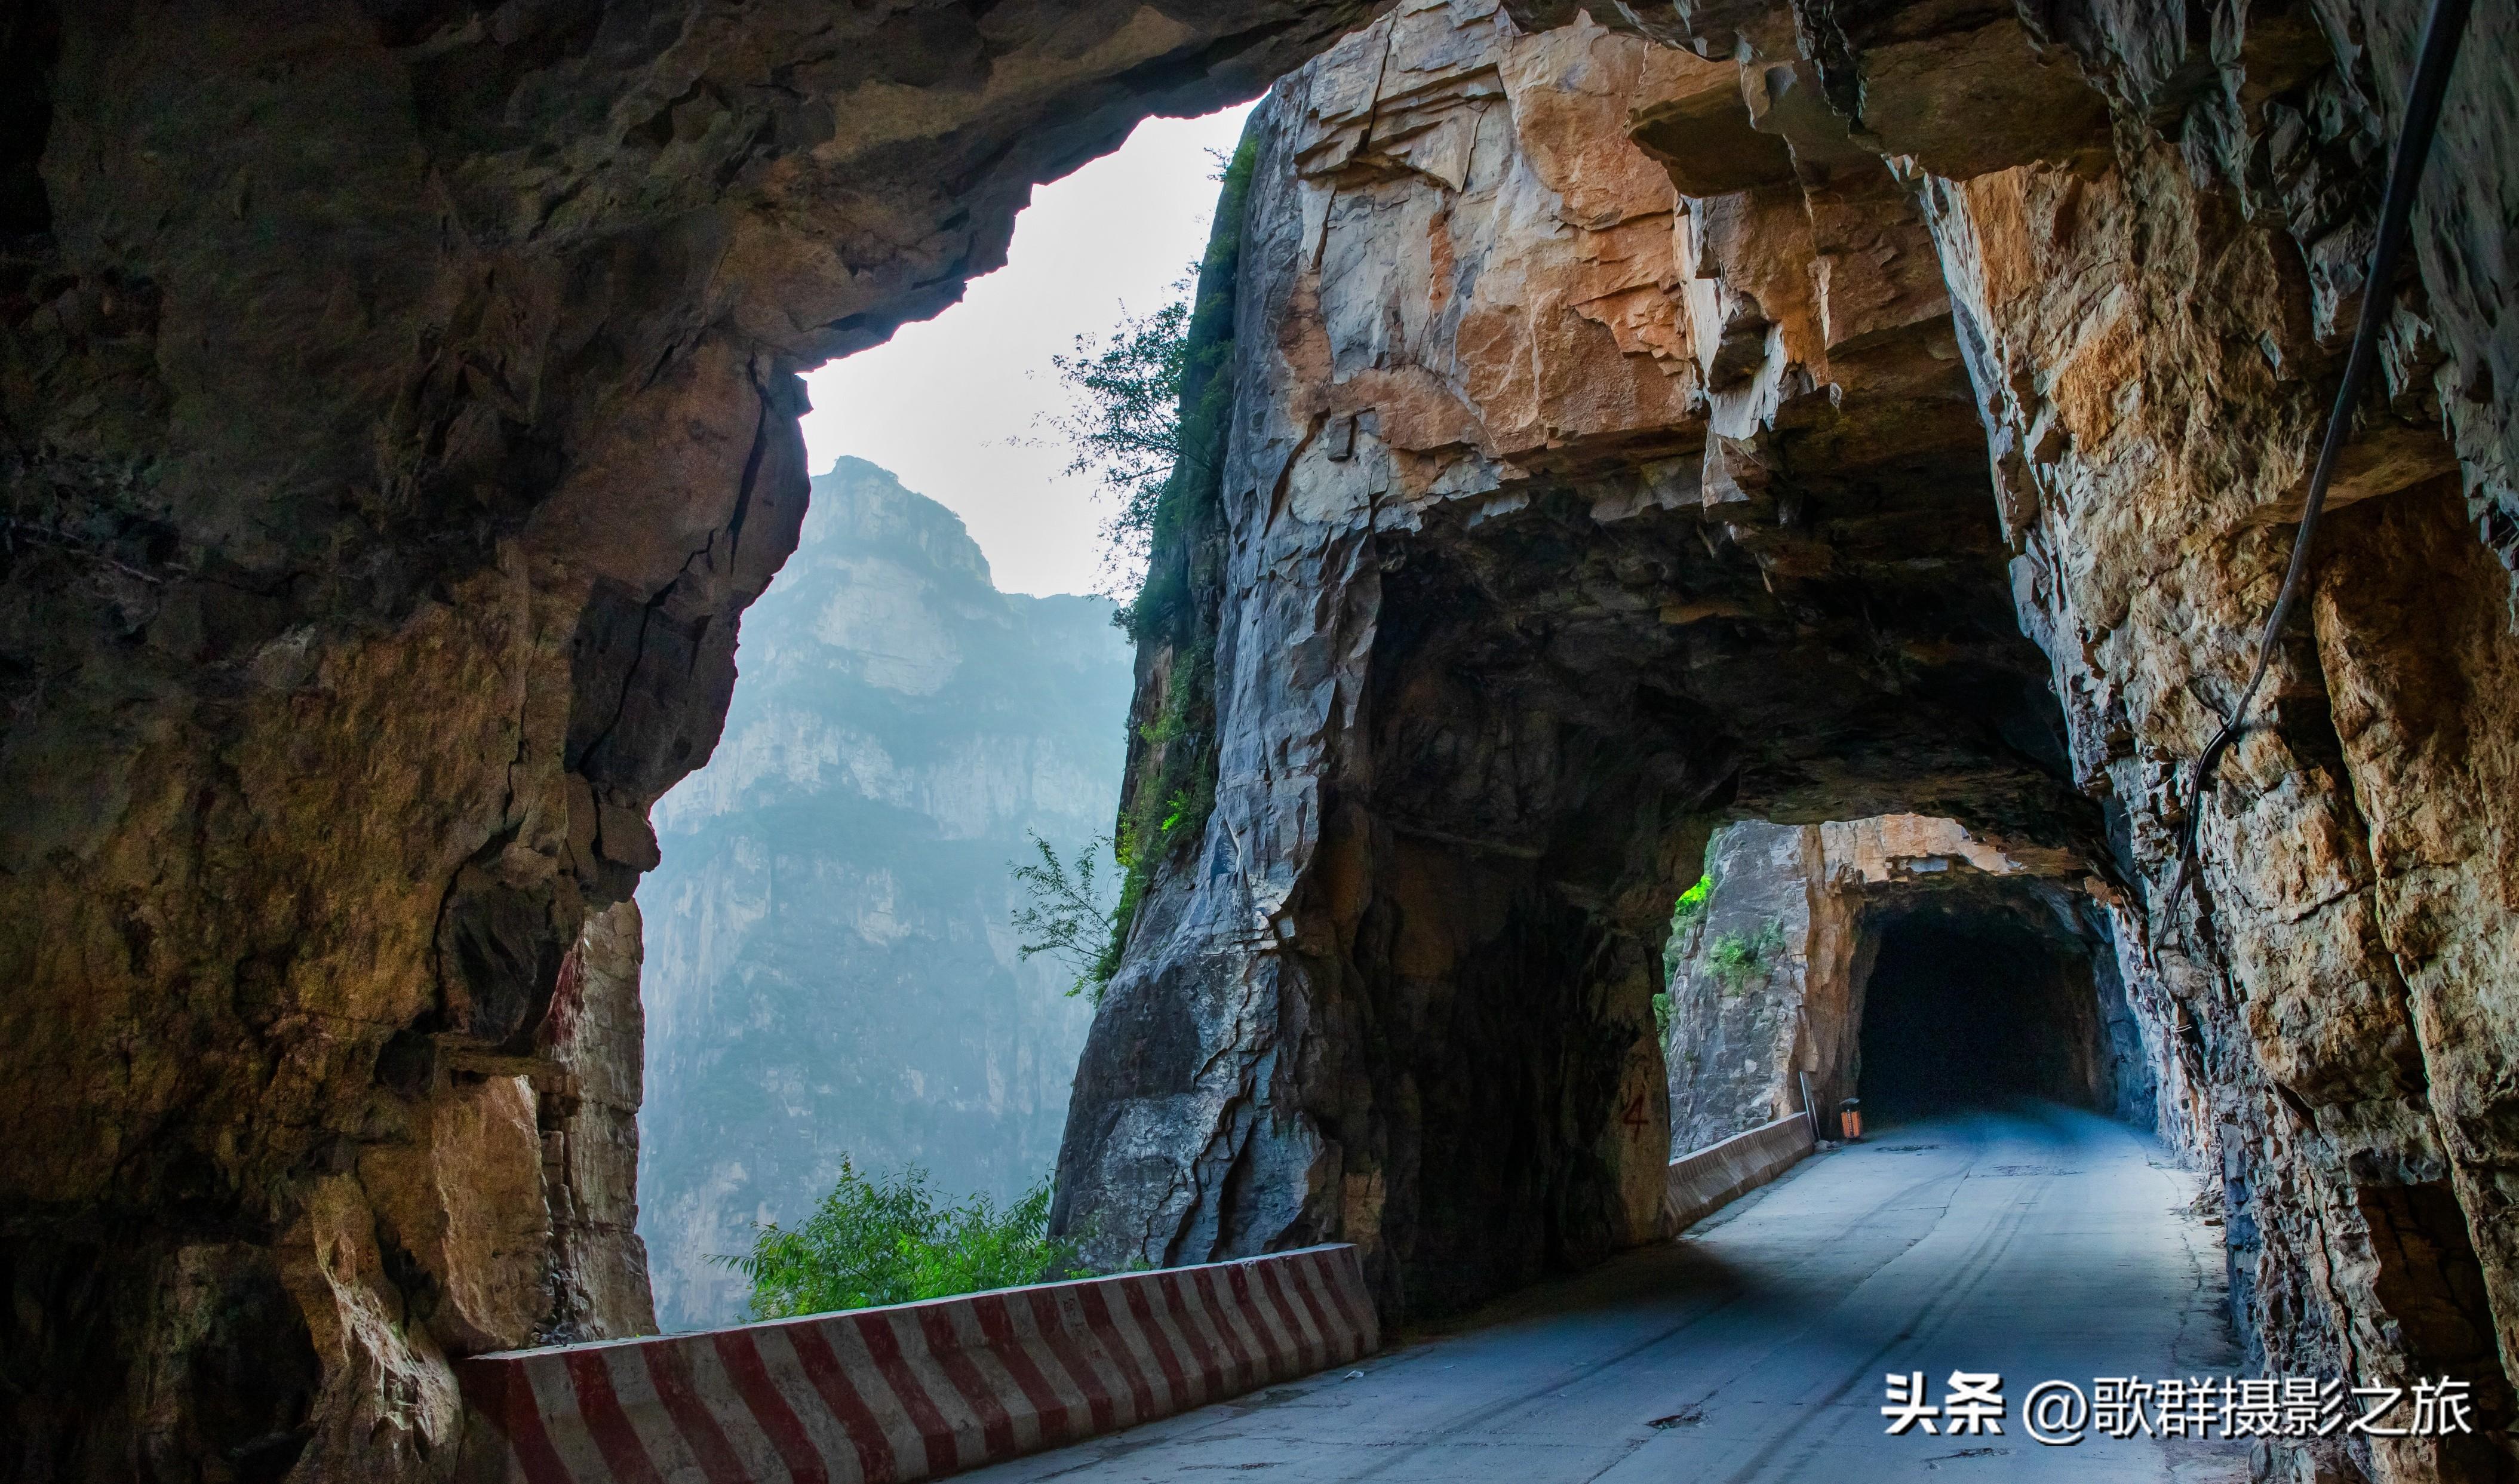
2442	30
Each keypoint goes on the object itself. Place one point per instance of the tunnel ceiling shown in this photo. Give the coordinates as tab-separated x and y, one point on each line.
1882	671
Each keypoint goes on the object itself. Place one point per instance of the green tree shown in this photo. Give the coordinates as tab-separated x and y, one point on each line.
1066	916
888	1240
1154	406
1123	424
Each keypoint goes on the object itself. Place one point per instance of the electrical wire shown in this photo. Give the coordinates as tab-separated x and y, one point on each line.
2442	30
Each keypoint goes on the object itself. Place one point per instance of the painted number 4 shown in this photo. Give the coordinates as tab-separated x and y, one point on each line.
1633	1115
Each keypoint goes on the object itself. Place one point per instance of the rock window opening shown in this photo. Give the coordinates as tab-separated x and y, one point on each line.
934	681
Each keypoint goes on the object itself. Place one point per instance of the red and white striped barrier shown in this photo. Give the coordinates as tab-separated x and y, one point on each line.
917	1390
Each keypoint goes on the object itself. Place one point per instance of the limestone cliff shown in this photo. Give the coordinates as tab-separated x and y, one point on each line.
830	969
1798	413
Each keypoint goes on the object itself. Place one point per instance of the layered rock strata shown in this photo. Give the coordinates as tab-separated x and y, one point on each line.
397	412
1919	433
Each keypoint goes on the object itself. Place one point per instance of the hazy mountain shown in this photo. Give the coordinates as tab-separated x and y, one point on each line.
829	967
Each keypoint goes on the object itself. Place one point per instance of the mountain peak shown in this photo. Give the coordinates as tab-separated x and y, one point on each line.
859	504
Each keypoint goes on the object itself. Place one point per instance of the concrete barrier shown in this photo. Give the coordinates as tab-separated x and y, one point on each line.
915	1391
1707	1180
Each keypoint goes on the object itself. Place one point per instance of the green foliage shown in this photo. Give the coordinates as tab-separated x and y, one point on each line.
1174	810
1172	793
1739	960
1171	762
1690	910
888	1241
1185	528
1687	920
1152	402
1661	1014
1065	916
1123	427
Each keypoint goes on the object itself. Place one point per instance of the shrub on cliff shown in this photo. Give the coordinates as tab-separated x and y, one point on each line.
1064	915
1123	427
888	1240
1690	910
1740	960
1153	408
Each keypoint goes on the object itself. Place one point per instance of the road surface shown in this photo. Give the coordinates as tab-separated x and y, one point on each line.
2039	1243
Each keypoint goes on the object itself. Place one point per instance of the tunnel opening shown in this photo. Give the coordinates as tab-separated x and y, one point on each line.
1899	958
1973	1002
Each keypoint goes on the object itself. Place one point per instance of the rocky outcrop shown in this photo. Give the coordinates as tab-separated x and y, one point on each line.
1764	411
396	414
830	966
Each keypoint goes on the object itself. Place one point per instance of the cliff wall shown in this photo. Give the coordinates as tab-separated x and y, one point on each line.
1762	410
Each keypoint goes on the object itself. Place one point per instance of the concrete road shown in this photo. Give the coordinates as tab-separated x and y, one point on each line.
2039	1243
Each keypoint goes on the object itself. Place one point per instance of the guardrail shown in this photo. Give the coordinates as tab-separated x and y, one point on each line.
915	1391
1707	1180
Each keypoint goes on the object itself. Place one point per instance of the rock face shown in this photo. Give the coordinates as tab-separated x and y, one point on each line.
830	969
396	414
1504	627
1768	412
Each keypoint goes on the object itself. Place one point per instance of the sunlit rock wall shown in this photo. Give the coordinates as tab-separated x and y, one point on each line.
1508	406
831	969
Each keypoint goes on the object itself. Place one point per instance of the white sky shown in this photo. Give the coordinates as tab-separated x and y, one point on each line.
948	405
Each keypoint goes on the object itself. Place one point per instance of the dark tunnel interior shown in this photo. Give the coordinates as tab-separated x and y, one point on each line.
1973	1003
